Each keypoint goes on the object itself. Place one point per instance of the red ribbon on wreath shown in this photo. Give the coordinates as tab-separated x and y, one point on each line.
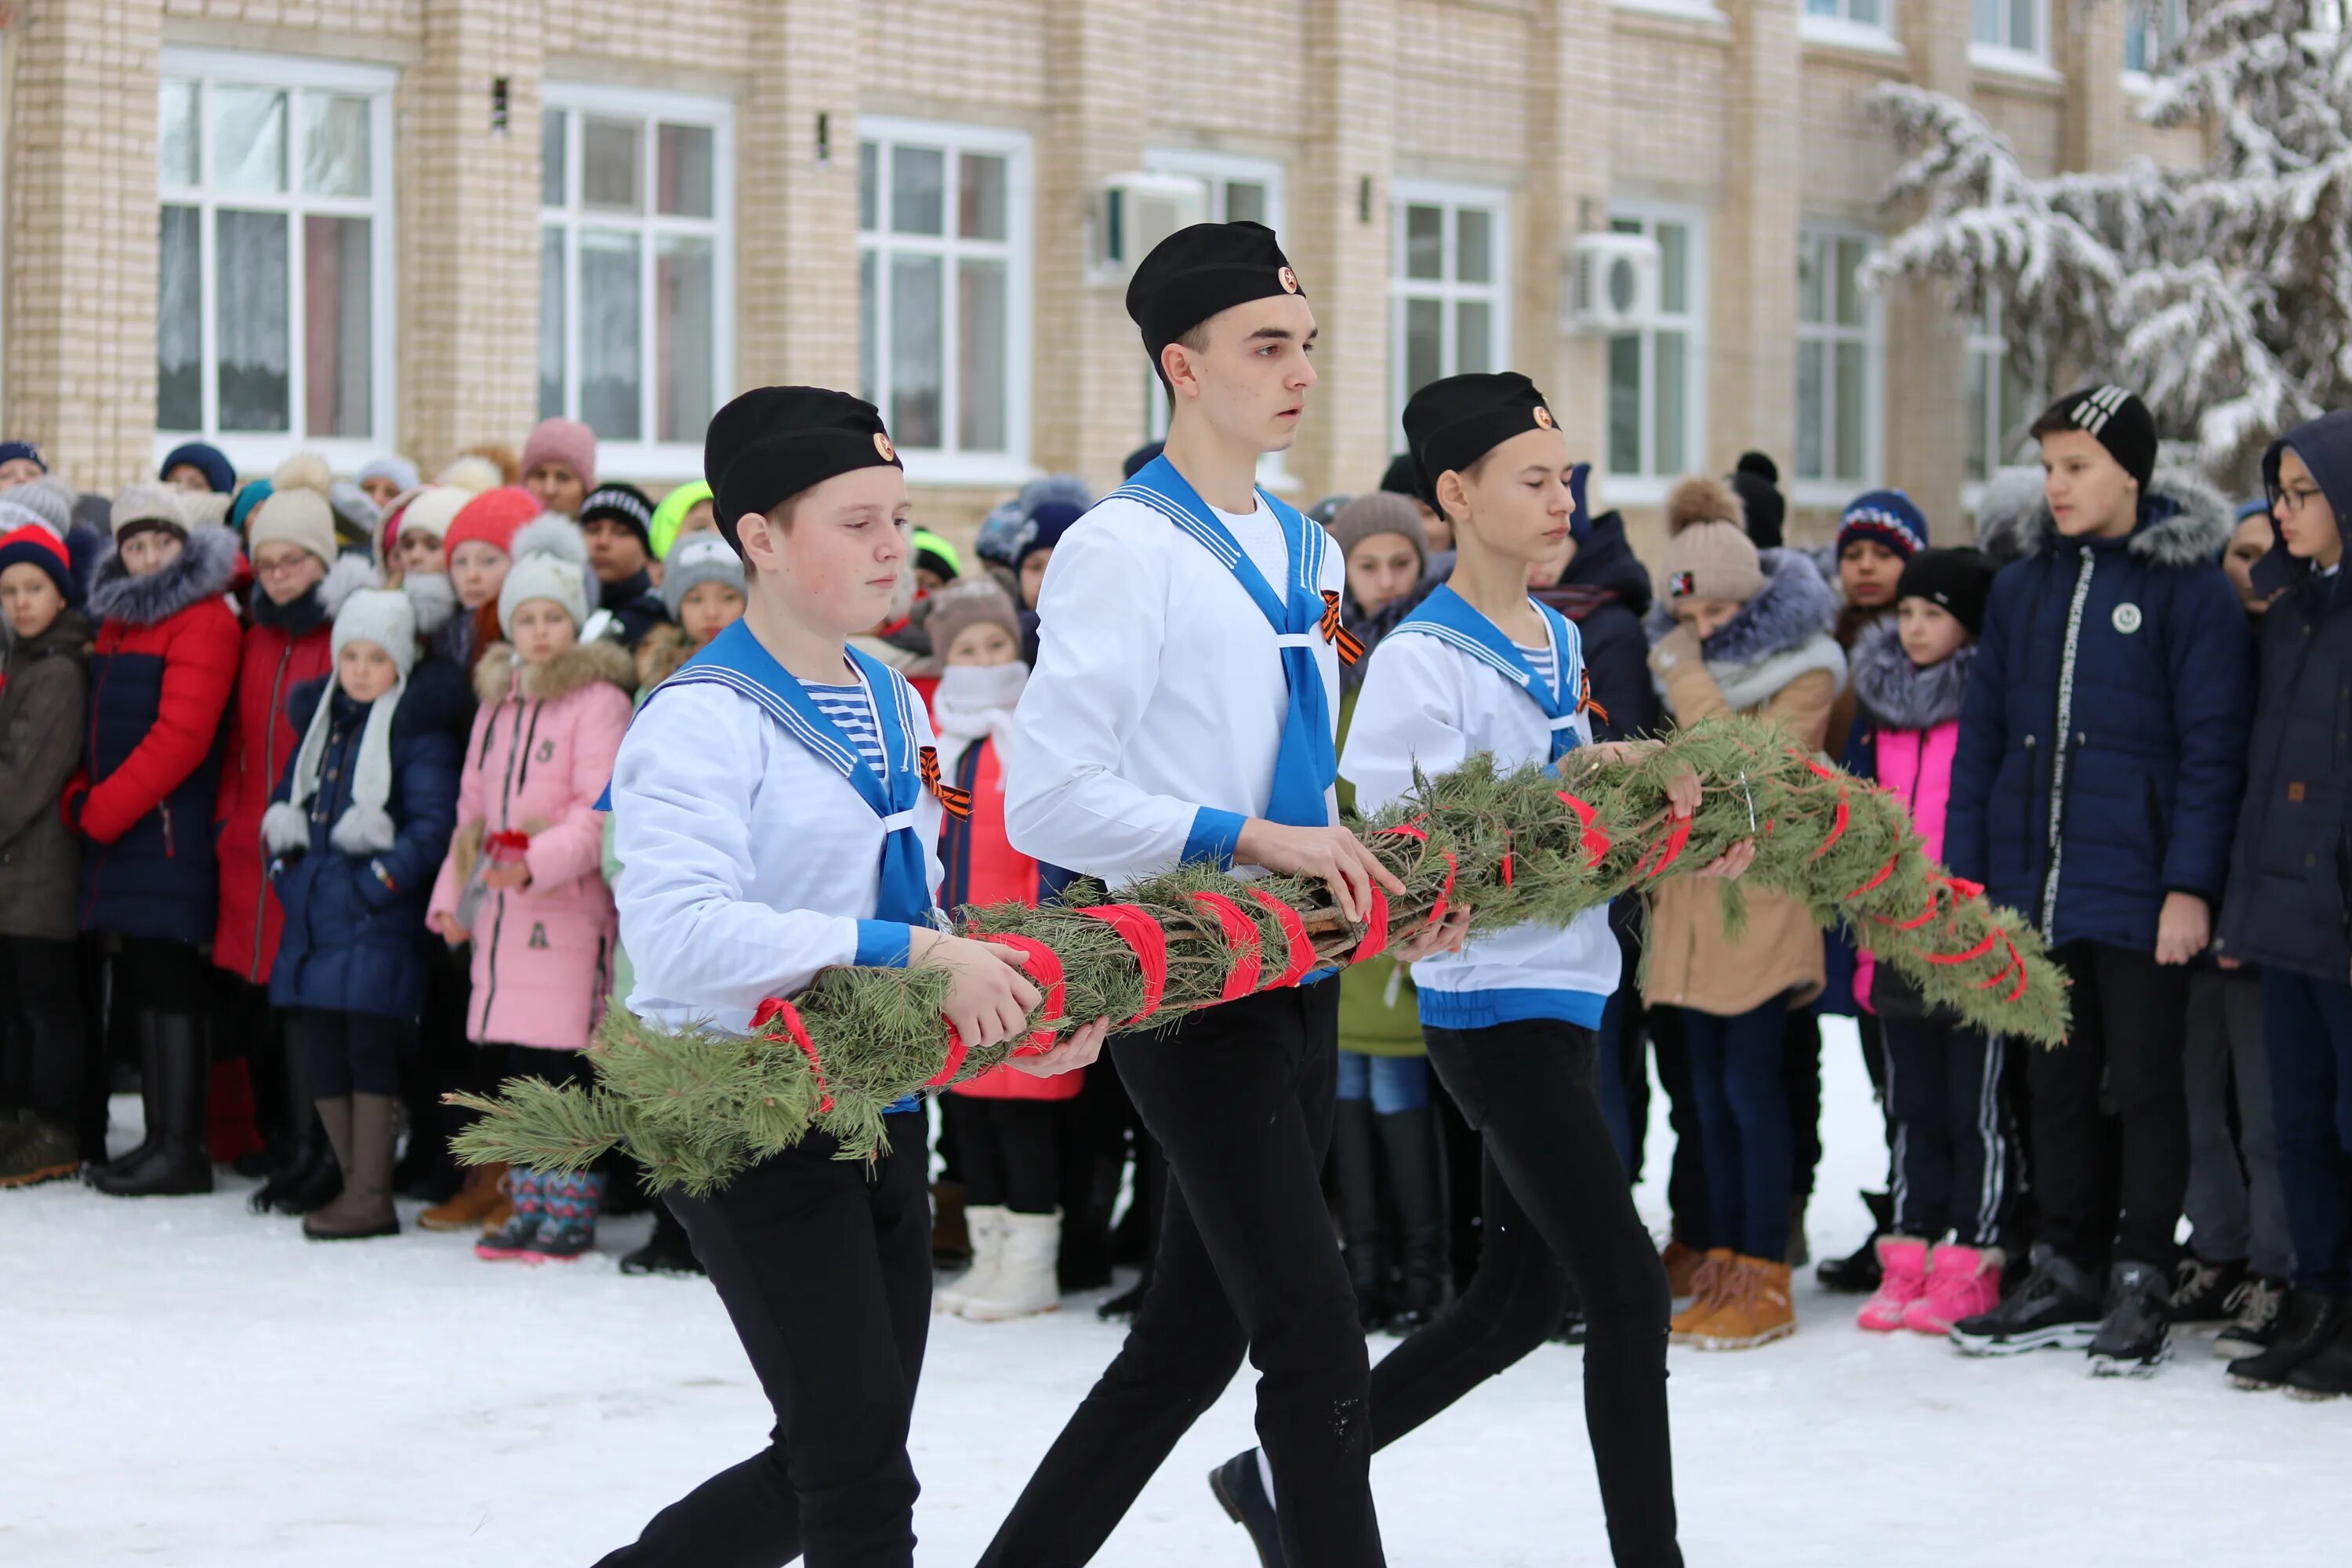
1376	932
1241	935
1300	956
1844	814
1446	893
1148	940
1594	839
775	1009
1042	965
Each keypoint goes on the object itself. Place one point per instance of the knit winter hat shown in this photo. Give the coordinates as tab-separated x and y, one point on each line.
434	508
959	606
1377	513
385	617
219	473
32	544
472	473
1959	580
2114	418
1000	535
705	558
47	499
297	511
10	451
565	441
1142	457
1044	530
1757	482
1709	553
140	504
357	517
624	504
936	555
492	518
1888	518
670	516
1402	479
550	558
399	470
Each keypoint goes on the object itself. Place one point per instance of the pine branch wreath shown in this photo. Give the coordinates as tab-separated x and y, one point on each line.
696	1106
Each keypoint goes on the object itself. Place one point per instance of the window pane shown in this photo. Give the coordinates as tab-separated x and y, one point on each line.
1810	414
1424	242
337	364
248	140
868	325
685	154
1624	226
552	130
1811	292
179	322
2017	409
917	189
335	144
250	294
1852	386
1821	7
2135	42
612	361
1671	420
1673	268
869	177
2022	30
1625	403
1474	248
1424	343
686	337
1985	21
980	196
915	371
611	164
1850	253
1974	466
1474	337
1245	202
980	356
552	349
1866	11
175	150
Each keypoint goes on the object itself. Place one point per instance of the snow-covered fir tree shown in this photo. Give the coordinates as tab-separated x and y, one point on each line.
2222	292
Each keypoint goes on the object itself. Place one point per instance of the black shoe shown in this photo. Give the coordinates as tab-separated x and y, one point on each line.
1240	1492
2307	1321
2205	1292
311	1181
2326	1372
2253	1318
179	1162
1856	1274
2135	1333
2056	1309
669	1250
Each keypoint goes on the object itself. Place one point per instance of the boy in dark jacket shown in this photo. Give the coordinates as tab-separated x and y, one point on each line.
2101	757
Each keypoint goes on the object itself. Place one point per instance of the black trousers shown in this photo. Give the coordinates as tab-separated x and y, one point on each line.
1951	1132
2131	1026
1559	1215
1800	1083
1686	1171
352	1053
1240	1098
41	988
1009	1151
824	1265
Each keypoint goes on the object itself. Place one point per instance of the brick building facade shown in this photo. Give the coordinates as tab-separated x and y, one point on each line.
367	225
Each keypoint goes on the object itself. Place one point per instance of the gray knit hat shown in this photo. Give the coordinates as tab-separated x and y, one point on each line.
146	503
1377	513
383	616
549	562
698	559
975	601
47	499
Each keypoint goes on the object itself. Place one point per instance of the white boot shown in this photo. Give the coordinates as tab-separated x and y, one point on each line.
985	1226
1025	1282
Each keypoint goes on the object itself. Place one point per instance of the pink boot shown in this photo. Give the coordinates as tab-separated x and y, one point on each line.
1965	1282
1902	1279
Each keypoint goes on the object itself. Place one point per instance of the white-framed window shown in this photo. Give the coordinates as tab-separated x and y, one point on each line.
1657	376
274	293
2152	30
944	252
2000	402
637	264
2010	27
1870	14
1449	287
1841	372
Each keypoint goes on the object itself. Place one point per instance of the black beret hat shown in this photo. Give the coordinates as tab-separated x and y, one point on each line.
774	442
1198	271
1453	423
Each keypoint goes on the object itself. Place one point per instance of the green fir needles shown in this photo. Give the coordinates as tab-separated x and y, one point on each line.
696	1106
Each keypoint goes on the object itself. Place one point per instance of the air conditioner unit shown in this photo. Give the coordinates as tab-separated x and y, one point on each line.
1610	284
1134	212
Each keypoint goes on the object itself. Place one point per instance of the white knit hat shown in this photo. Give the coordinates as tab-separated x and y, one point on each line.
50	503
471	473
550	563
435	508
146	503
384	618
297	511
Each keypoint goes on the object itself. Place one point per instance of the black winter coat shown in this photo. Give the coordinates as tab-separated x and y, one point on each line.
42	710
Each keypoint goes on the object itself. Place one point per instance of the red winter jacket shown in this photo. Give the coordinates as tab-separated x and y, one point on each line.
284	648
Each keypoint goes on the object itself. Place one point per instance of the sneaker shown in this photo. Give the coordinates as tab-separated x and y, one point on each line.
1240	1489
2253	1318
2326	1372
1707	1282
1901	1281
2135	1333
1756	1308
2056	1309
1963	1283
2307	1321
2205	1292
513	1238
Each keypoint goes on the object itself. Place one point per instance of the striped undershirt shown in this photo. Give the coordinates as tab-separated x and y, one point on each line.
852	712
1545	659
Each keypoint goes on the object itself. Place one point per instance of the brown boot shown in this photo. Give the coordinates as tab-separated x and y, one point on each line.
1682	1265
484	1191
1709	1277
369	1124
1756	1309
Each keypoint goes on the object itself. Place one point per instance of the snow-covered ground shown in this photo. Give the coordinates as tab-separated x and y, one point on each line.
185	1384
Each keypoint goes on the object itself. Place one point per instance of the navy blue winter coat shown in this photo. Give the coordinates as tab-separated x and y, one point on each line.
1606	592
354	941
2287	905
2107	713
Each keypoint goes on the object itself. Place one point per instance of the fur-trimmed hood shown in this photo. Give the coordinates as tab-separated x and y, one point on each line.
1897	694
2183	522
661	653
205	567
1795	607
575	670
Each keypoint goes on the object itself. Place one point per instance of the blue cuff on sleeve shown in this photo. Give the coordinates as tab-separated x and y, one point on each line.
883	945
1214	835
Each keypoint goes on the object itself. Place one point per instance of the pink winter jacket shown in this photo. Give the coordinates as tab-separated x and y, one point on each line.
1915	767
541	756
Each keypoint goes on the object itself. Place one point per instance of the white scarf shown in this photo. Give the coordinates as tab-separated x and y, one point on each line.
365	827
974	701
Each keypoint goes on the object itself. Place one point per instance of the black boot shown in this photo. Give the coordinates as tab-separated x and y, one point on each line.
2307	1320
151	1109
2326	1372
669	1250
1360	1208
2135	1333
1085	1260
1424	1274
1856	1274
308	1176
179	1164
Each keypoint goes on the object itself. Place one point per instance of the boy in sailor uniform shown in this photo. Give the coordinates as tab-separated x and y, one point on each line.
769	803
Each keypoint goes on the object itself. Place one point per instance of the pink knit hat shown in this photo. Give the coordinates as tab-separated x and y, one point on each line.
565	441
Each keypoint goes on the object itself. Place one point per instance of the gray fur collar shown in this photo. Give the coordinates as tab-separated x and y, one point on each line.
1897	694
205	567
2184	522
575	670
1795	607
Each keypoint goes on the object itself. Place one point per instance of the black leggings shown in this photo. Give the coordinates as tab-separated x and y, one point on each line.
41	989
1010	1151
352	1053
1558	1215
